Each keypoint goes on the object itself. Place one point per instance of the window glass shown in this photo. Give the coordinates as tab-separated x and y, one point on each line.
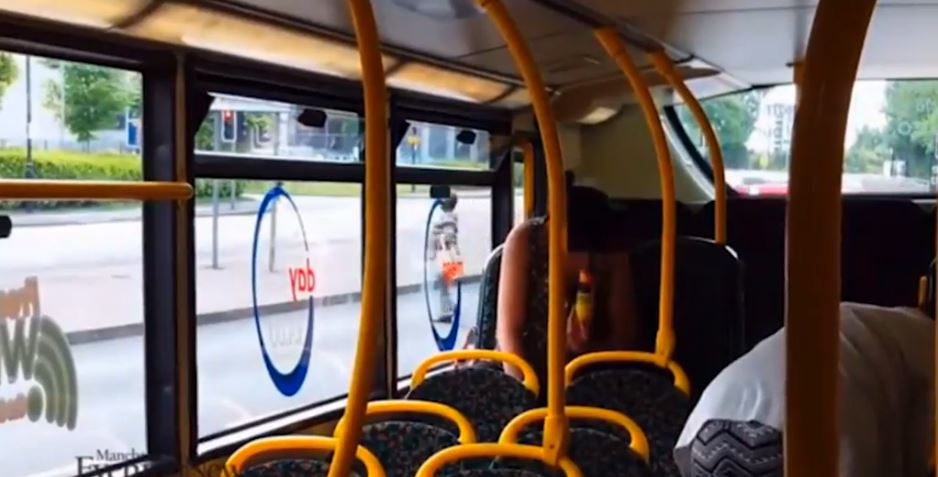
442	245
72	395
518	181
441	146
892	130
259	128
278	286
61	120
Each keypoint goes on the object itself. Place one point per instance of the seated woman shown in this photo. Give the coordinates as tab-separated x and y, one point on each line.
522	294
886	402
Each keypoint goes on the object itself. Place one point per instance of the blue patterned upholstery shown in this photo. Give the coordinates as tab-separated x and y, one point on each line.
647	396
290	468
487	319
496	473
489	398
595	452
402	447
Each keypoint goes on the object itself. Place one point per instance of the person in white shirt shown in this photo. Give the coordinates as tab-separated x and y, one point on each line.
887	387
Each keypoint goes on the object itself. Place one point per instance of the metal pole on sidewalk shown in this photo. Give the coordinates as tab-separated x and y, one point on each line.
234	191
272	247
215	197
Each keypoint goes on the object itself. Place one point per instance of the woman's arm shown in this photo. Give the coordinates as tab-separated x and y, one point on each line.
512	294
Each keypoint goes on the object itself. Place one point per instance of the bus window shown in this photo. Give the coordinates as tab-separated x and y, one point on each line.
890	143
257	128
72	381
441	146
442	244
278	285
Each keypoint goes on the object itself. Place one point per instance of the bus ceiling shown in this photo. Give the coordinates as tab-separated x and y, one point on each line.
440	48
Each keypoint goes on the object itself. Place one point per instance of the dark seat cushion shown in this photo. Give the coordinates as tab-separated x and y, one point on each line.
489	398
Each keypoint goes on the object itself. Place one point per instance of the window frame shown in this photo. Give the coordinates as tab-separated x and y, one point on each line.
157	70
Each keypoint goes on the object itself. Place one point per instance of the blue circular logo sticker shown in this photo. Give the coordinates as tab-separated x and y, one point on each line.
448	307
302	280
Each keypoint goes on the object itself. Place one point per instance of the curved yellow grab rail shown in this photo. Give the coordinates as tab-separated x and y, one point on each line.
639	441
665	67
555	426
530	380
813	270
681	382
292	447
15	189
377	178
481	451
467	434
527	150
614	47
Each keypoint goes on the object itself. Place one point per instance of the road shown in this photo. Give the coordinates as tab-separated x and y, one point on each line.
233	385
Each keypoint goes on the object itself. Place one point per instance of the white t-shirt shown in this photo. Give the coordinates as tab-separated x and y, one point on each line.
887	359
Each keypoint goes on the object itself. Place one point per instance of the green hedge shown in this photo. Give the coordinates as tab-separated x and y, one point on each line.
62	165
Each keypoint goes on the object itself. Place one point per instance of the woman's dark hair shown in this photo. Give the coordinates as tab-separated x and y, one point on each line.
588	219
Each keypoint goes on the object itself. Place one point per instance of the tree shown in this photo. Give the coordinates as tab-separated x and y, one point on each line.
205	137
90	98
734	119
8	72
868	152
911	124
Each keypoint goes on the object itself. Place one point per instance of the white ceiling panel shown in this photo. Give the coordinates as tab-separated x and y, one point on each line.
754	40
401	27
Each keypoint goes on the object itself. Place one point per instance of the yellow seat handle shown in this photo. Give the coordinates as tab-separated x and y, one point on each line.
638	444
481	451
294	446
530	380
680	377
467	434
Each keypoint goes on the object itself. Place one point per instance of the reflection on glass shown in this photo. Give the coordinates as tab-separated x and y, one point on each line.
260	128
892	130
71	303
442	247
278	284
437	145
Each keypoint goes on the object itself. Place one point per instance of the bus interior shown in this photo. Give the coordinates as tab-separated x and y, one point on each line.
276	228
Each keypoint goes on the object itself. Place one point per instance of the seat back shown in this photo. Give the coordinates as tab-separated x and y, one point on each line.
744	449
402	446
648	396
488	397
708	305
291	468
595	452
487	319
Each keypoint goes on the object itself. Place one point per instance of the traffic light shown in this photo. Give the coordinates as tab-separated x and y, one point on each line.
229	126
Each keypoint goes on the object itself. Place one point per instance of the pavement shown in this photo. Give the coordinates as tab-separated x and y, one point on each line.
89	269
233	385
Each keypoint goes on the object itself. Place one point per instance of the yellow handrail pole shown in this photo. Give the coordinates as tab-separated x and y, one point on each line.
609	39
15	189
813	238
665	67
555	425
377	176
528	153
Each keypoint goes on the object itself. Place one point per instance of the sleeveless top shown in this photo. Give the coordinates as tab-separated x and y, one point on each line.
534	333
